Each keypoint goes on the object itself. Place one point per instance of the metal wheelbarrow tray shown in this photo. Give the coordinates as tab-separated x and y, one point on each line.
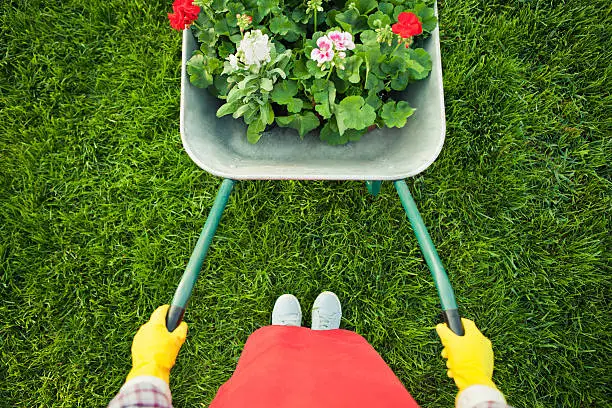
220	146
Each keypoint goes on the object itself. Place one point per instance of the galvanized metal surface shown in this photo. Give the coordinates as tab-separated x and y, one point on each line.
220	147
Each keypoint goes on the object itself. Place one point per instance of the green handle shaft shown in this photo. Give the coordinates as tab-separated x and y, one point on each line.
190	276
445	290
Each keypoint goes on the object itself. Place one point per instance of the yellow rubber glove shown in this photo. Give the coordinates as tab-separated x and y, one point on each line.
470	357
154	348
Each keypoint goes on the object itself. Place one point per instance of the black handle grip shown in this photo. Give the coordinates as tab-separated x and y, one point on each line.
174	317
453	320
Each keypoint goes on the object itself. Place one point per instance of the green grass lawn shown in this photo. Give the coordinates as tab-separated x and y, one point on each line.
100	208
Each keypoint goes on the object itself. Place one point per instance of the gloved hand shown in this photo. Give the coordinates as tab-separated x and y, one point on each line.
470	357
154	348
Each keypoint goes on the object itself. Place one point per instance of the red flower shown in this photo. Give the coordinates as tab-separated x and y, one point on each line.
408	25
185	13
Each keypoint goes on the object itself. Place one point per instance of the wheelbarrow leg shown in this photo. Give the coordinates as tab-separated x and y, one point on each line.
373	187
190	276
445	290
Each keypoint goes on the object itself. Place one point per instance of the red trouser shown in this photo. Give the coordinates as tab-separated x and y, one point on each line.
284	366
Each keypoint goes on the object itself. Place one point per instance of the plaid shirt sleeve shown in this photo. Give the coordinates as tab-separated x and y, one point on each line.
480	396
143	392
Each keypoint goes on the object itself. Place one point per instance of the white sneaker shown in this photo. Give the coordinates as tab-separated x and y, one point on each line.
326	312
287	311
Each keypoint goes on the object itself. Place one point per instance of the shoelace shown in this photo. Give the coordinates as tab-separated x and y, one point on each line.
289	318
325	320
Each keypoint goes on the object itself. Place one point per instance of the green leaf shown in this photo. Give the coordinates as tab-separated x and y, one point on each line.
299	16
198	71
354	135
295	105
324	94
221	27
264	7
352	21
221	86
277	72
395	114
266	114
427	16
363	6
421	63
284	91
386	8
219	5
251	115
353	113
237	94
248	81
255	130
267	84
400	82
330	17
372	57
368	37
282	25
281	61
351	69
378	20
207	37
302	123
373	83
294	35
314	69
281	52
242	110
341	85
374	100
300	71
234	8
331	135
394	65
227	108
249	4
353	90
215	65
225	49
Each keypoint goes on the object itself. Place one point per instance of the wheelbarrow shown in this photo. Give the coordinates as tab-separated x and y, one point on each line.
220	147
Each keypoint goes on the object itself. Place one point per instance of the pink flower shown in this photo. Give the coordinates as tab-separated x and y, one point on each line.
342	40
335	36
322	56
325	52
325	43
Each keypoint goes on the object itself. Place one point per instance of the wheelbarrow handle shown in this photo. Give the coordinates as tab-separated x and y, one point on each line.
445	290
174	317
453	320
192	271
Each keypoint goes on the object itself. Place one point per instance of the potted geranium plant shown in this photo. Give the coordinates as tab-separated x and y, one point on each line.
327	66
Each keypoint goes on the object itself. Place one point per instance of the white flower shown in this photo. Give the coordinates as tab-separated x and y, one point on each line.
254	48
233	61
